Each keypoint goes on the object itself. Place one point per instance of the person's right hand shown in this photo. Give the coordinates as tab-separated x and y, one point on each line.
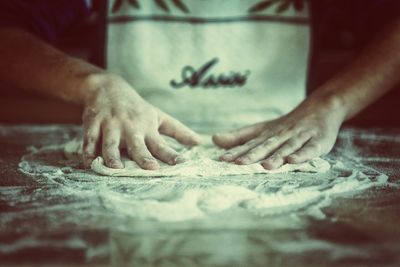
116	117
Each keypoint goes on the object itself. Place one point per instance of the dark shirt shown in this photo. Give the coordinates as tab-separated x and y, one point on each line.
49	18
335	23
44	18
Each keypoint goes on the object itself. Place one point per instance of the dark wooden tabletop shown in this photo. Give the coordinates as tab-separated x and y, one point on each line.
40	226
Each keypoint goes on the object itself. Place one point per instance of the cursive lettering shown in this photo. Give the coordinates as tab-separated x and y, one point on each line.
202	78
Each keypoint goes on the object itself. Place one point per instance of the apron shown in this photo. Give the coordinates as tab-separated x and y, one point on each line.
214	62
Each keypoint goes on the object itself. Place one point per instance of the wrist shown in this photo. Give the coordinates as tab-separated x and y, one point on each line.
94	84
330	103
105	85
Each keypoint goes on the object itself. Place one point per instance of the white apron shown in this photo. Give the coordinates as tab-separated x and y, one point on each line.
211	61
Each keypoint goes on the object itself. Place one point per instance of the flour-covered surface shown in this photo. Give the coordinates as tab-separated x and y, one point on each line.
53	211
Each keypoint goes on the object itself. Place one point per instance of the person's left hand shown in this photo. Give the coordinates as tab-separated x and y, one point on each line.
307	132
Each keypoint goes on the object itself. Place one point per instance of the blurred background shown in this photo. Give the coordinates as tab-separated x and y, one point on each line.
338	41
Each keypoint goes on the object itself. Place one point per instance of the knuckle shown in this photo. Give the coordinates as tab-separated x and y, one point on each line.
296	144
123	116
89	113
291	143
252	142
107	131
90	141
136	147
135	127
292	128
110	143
249	156
265	133
283	131
304	135
237	150
107	118
111	123
316	147
88	147
132	149
125	119
137	139
313	132
268	142
90	137
161	147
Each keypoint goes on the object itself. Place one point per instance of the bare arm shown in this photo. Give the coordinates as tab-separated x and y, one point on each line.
311	129
115	116
29	63
372	74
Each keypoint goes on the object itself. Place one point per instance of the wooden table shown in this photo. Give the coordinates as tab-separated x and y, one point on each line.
41	228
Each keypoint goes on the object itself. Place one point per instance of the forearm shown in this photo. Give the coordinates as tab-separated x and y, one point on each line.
29	63
374	72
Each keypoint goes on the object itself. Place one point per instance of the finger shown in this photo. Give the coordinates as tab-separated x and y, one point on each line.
160	149
237	137
178	131
110	147
311	149
90	141
138	152
278	158
238	151
261	151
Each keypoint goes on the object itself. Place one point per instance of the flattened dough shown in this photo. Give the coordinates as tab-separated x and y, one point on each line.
200	161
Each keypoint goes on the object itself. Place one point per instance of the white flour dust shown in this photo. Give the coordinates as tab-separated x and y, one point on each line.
183	198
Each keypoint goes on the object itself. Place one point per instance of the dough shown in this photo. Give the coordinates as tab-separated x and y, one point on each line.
200	161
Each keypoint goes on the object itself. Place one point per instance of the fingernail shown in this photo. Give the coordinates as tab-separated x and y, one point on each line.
193	141
179	159
241	161
150	164
227	157
268	165
198	139
221	137
116	164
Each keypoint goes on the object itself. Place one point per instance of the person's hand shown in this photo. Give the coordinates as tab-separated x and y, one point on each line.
115	116
308	131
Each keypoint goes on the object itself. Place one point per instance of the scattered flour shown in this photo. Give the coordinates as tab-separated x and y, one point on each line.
159	218
182	198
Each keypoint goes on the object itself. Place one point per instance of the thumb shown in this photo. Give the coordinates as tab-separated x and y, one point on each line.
236	137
